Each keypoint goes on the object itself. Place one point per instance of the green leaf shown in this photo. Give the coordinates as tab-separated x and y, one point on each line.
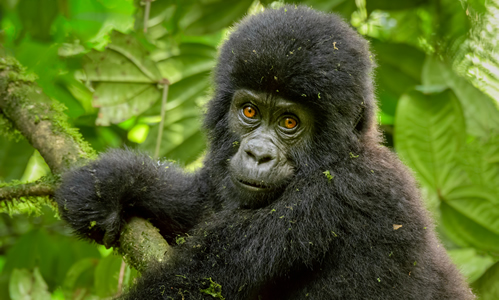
80	275
33	249
395	78
91	20
125	60
482	115
343	7
486	286
193	59
120	101
106	276
480	159
393	5
465	231
124	77
471	264
215	15
37	17
25	285
429	131
477	205
182	139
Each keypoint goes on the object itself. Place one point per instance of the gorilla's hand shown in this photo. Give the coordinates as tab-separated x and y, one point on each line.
97	199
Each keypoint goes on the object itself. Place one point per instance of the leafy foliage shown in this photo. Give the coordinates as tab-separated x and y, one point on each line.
437	90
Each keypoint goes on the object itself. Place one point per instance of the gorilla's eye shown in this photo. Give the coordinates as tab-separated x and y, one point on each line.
249	111
288	123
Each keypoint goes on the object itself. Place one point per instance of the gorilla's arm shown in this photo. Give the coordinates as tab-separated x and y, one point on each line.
249	252
98	198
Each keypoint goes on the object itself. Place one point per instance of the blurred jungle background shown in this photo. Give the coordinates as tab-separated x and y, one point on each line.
106	61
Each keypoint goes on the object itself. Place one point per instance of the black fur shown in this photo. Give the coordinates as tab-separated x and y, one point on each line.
320	238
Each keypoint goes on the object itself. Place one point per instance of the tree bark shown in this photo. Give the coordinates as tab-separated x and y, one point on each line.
43	123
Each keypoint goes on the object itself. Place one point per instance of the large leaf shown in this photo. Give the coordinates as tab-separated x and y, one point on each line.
91	20
193	58
471	264
486	286
482	116
395	78
182	139
429	131
481	208
465	231
214	15
124	77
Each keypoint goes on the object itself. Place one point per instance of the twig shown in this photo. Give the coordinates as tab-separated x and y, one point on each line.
166	84
146	14
120	278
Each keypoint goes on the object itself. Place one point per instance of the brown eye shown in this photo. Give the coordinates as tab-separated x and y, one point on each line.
289	123
249	111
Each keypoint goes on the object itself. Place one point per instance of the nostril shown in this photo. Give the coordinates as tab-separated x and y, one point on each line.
264	159
250	154
259	158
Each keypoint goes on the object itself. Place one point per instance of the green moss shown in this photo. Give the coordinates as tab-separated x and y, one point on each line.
328	175
8	130
60	120
214	289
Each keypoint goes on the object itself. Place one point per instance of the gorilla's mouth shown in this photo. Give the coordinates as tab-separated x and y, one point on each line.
252	185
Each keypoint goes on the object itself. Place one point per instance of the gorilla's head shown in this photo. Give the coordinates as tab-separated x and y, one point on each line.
293	95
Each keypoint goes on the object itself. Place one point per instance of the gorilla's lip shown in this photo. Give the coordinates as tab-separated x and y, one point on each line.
251	185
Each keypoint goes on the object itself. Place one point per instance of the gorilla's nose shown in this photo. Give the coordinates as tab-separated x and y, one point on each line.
261	151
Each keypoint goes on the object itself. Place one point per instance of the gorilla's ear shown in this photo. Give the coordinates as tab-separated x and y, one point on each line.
359	123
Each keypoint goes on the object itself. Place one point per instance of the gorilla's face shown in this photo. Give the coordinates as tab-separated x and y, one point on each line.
269	127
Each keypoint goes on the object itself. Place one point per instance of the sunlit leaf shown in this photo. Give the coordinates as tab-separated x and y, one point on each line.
28	286
138	133
124	77
429	131
182	120
482	116
471	264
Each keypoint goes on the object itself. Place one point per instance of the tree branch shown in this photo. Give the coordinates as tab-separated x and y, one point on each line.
32	189
40	119
44	124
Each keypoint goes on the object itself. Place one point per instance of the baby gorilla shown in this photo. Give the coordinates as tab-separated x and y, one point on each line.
296	199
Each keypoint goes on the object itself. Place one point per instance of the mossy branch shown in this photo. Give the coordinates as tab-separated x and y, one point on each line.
39	119
39	188
43	123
